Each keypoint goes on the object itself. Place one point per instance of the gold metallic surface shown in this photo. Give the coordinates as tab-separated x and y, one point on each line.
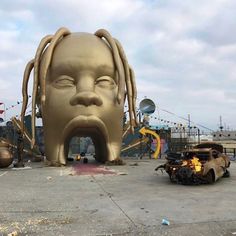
6	156
81	81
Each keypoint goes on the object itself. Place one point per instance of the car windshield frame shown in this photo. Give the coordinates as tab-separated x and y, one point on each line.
202	155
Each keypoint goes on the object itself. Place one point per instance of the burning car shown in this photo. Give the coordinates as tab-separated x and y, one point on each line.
204	163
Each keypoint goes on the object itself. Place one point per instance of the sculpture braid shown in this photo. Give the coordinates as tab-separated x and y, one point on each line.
102	33
128	84
38	54
60	33
26	76
134	92
35	64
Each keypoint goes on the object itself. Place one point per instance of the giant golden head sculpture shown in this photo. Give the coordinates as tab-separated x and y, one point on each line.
80	83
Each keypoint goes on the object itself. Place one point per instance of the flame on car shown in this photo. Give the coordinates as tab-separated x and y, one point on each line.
193	163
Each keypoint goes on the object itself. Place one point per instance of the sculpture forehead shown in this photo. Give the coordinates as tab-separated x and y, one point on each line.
84	46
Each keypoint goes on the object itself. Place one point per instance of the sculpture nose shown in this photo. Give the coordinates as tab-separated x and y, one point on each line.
86	98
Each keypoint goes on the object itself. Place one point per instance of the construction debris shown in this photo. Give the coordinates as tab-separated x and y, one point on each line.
14	233
165	222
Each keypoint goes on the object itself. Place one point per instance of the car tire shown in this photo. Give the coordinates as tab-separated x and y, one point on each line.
210	177
226	174
171	178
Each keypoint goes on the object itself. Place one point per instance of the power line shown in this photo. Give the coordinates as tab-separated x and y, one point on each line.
185	119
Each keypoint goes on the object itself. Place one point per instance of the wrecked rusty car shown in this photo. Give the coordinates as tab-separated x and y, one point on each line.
204	163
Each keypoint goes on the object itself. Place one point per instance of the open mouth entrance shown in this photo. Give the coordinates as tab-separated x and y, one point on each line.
86	141
81	145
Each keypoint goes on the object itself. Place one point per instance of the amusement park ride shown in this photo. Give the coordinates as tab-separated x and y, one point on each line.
146	135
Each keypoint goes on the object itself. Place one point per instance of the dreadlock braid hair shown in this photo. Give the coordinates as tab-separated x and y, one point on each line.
46	49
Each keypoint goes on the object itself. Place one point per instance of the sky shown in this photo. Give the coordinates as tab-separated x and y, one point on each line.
183	52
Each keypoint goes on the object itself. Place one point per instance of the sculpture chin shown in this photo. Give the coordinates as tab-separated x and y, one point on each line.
86	126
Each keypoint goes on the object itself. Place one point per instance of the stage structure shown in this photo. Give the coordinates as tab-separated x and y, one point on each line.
81	81
144	135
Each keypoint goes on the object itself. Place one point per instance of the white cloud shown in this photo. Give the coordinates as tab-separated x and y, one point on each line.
183	52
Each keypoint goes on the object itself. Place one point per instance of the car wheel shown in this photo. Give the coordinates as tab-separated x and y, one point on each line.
210	177
172	178
226	174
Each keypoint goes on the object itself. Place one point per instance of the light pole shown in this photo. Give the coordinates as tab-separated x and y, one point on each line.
198	135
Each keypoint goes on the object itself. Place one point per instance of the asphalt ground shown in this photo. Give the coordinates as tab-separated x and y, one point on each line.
133	199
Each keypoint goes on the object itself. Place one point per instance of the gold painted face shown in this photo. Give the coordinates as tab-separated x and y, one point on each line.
81	91
80	83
